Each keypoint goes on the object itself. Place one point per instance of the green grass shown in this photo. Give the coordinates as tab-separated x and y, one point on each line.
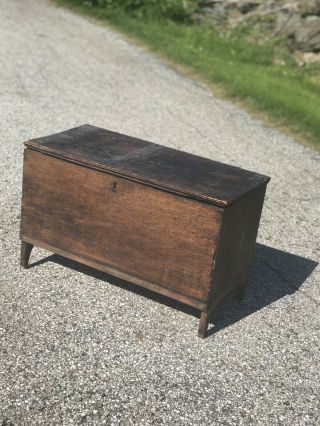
287	93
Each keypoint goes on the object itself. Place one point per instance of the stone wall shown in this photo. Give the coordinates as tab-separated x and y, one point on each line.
297	20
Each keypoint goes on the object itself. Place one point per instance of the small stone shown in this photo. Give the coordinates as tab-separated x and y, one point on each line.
288	24
246	6
307	36
309	7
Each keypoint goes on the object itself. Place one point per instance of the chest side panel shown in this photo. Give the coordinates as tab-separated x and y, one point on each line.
237	242
147	233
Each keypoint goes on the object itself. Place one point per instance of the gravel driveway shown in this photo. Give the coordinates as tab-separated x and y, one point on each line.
80	347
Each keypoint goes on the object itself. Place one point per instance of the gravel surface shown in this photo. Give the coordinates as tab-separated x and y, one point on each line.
79	347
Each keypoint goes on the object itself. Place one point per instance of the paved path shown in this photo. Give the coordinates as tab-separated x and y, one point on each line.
76	348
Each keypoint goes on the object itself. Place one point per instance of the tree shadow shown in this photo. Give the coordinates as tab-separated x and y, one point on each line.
274	274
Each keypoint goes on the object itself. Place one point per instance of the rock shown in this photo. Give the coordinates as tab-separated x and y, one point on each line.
307	36
212	11
235	17
288	24
290	7
219	11
306	58
309	7
297	20
246	6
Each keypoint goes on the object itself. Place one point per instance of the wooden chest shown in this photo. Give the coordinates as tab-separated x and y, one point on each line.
178	224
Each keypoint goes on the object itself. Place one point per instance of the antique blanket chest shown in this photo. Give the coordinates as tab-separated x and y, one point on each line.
178	224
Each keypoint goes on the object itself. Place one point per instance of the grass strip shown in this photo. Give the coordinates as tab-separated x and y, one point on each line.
246	71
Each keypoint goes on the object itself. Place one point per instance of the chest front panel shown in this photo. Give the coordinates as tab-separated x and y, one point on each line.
148	233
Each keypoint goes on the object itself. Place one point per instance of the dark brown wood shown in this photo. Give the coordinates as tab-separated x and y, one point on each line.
152	164
130	278
203	325
175	223
147	233
236	245
26	249
240	293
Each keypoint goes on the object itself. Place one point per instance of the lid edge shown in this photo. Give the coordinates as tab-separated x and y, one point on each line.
31	144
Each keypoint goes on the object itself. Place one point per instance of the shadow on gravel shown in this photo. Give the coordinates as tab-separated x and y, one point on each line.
274	274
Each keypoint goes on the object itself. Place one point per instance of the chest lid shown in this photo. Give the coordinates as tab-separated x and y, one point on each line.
156	165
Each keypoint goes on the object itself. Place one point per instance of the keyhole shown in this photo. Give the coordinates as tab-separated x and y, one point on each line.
114	188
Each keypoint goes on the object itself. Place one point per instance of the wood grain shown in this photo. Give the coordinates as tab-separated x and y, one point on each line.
146	233
178	224
123	275
236	246
154	165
